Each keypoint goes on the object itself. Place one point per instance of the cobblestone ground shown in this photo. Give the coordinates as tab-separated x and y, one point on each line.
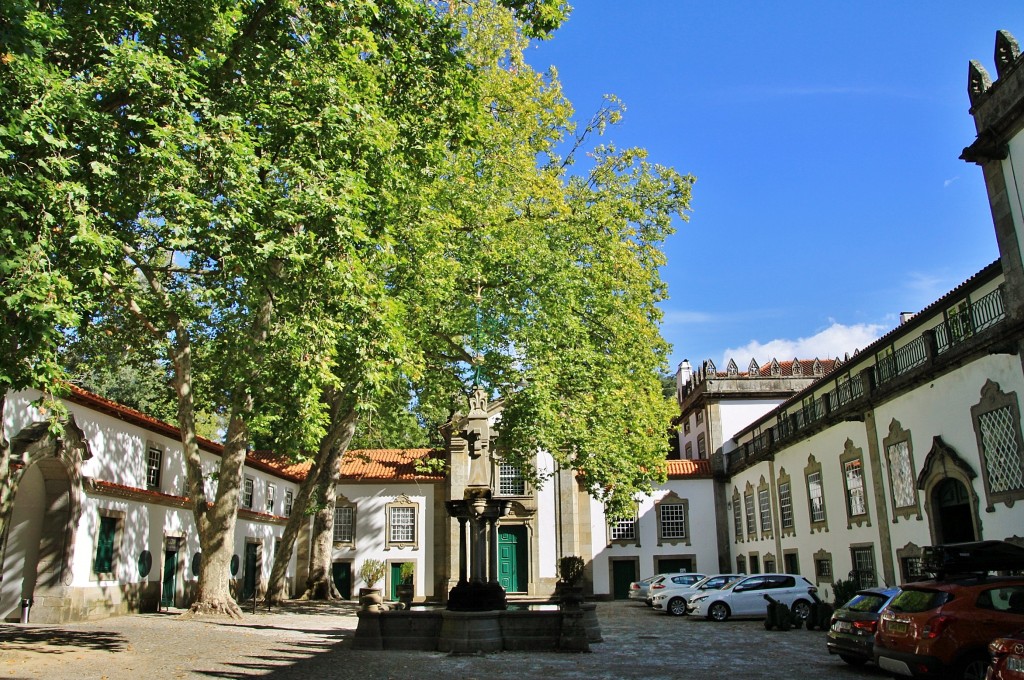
315	641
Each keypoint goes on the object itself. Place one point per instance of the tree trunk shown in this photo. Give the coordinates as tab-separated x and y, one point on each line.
320	584
343	420
8	482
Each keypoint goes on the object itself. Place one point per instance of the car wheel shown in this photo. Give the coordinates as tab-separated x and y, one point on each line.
802	609
719	611
676	606
973	667
853	660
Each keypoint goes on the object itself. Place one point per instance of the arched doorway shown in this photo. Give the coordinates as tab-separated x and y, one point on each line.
953	520
38	540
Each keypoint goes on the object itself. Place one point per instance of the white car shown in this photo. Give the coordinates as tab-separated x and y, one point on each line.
680	579
746	597
674	599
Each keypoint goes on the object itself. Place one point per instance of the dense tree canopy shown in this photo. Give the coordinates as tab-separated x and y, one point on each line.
322	213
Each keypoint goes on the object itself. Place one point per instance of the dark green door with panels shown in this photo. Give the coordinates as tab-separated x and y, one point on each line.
513	570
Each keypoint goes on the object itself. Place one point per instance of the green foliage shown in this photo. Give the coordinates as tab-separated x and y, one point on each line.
570	569
371	571
843	591
406	572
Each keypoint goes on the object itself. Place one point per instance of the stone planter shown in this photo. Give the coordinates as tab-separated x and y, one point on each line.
405	593
370	599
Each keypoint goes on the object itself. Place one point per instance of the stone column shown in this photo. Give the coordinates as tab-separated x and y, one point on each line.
493	521
462	549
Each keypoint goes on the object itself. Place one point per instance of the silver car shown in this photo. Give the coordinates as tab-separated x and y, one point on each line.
675	599
746	597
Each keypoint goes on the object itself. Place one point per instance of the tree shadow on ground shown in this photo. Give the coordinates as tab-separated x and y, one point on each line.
59	640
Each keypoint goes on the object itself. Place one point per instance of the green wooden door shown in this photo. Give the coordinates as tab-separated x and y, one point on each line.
623	574
513	572
342	573
249	583
396	578
170	576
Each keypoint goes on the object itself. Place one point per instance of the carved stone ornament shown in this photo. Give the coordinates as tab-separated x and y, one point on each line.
1007	51
978	81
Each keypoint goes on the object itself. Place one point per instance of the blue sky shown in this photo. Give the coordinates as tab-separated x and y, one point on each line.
825	139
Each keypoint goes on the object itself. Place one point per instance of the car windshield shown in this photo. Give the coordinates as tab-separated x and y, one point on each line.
866	602
915	600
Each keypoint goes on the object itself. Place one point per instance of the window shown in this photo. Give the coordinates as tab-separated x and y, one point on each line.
510	480
769	565
737	516
823	569
624	530
899	454
817	499
344	524
700	417
853	476
911	569
686	426
786	505
741	564
765	505
748	507
105	537
864	566
689	450
702	446
247	487
997	429
288	500
271	497
403	525
791	560
673	519
154	460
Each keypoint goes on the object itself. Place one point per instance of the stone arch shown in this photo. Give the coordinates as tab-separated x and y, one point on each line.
43	520
942	469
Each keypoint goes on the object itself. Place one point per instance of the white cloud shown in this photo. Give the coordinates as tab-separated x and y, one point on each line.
834	341
949	181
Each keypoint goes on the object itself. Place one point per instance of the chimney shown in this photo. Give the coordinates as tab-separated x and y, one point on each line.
906	316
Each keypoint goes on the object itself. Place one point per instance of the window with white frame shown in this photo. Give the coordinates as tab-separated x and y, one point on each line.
289	499
996	419
853	475
816	497
248	484
401	524
765	505
623	529
786	504
154	462
345	524
673	520
748	506
271	498
510	480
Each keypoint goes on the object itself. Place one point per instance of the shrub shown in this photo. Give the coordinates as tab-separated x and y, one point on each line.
570	569
371	571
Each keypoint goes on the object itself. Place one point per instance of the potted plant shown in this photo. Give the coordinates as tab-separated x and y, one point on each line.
371	571
570	580
405	589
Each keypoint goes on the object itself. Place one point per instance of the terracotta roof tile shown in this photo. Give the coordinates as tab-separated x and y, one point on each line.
387	464
689	469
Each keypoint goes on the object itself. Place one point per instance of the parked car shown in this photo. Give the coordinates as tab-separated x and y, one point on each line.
641	590
675	599
638	589
944	625
1007	657
677	580
745	597
851	633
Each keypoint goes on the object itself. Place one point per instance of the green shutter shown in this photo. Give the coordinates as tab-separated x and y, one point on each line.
105	546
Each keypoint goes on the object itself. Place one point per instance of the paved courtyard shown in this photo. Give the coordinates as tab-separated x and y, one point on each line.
315	641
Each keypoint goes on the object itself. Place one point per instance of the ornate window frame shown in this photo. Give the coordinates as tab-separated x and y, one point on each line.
993	400
343	503
897	435
118	517
784	482
764	509
814	467
853	455
823	567
401	503
910	551
737	515
673	499
750	518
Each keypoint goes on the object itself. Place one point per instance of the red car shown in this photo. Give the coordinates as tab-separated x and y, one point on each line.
1007	658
